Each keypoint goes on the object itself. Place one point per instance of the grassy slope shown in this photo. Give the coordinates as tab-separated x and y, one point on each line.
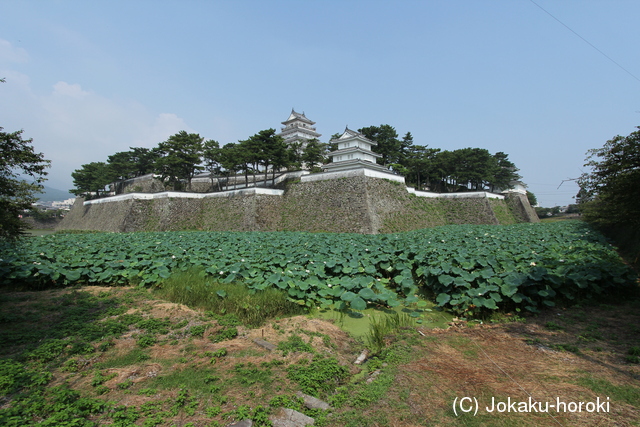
121	356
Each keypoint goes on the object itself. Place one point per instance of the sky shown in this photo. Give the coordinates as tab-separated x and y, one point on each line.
542	81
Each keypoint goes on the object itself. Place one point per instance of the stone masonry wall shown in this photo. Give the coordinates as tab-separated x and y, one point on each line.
357	205
522	209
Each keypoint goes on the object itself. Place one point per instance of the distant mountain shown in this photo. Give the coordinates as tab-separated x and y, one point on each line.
54	195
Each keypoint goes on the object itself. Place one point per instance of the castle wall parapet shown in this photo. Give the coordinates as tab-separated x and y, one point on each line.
181	195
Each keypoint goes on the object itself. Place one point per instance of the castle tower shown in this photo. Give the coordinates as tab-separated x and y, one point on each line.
298	128
354	152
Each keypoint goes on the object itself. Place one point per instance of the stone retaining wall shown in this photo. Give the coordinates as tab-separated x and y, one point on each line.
359	204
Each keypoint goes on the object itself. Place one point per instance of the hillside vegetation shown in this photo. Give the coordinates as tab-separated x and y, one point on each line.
123	356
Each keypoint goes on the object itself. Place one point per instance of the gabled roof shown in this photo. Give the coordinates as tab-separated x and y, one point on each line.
351	134
297	116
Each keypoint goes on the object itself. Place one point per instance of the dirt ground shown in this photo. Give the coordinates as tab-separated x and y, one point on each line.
573	355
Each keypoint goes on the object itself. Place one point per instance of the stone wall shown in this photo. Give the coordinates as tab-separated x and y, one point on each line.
358	205
521	208
41	224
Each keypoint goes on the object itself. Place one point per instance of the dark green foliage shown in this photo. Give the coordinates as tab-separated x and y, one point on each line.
130	164
147	340
318	377
18	160
249	374
91	179
314	153
227	301
179	158
293	344
468	269
610	195
198	330
225	334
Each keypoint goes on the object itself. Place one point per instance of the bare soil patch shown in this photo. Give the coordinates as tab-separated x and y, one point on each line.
574	355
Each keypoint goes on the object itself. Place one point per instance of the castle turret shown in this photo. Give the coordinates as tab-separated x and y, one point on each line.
298	128
354	152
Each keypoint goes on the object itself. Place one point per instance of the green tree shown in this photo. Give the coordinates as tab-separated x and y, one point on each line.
505	173
211	157
122	165
265	149
333	146
610	193
314	153
282	156
533	200
91	179
419	162
388	144
233	159
180	158
18	160
145	159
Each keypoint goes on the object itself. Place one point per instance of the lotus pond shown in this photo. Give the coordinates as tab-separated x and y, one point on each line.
466	269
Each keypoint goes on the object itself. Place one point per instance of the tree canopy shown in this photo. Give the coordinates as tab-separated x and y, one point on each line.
183	155
180	158
22	172
442	171
91	179
610	193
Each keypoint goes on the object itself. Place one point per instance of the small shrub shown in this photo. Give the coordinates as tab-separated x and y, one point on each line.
218	353
321	375
284	401
213	411
225	335
251	307
147	340
633	355
198	331
99	378
553	326
148	392
125	384
293	344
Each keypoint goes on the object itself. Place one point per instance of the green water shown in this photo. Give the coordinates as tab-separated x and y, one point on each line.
357	322
43	232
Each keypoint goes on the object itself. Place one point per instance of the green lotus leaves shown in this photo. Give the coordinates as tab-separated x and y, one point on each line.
469	268
443	299
367	294
358	304
445	279
348	296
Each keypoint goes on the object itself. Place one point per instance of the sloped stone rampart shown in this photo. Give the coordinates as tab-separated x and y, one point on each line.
101	217
521	208
357	205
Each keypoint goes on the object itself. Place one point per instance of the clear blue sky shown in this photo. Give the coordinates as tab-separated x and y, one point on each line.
86	79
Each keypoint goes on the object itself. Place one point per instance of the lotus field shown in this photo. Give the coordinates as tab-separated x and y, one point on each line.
467	269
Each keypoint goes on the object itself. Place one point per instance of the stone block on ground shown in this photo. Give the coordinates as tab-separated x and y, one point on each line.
243	423
289	418
264	344
363	356
313	402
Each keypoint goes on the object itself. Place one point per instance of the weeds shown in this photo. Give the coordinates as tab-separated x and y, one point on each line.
225	334
251	307
320	376
382	327
294	344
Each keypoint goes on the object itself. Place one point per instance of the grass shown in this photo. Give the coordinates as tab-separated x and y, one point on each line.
382	327
72	357
251	307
